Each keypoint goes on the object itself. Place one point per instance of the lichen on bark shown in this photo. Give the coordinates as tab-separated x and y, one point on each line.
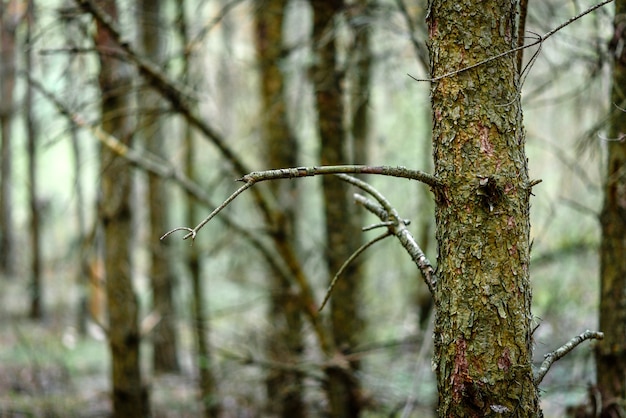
482	330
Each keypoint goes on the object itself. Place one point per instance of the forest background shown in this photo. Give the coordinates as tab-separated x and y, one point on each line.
54	354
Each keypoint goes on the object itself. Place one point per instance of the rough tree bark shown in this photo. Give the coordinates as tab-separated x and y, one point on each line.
165	351
129	396
482	329
611	353
284	341
343	234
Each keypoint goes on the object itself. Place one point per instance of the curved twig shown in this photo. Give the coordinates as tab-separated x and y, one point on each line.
539	41
347	263
194	231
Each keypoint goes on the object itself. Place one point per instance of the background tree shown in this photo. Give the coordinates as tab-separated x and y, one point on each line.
611	353
207	385
10	16
343	235
115	81
36	299
280	148
165	352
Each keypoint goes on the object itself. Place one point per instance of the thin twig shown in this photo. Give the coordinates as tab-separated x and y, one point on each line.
193	232
347	263
539	41
562	351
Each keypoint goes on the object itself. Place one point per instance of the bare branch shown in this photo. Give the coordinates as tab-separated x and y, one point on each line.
539	41
290	173
562	351
399	229
193	232
347	263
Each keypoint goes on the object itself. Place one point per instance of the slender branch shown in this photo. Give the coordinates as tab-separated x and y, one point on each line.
347	263
290	173
298	368
193	232
539	41
562	351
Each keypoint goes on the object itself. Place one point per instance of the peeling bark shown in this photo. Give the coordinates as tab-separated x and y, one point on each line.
482	329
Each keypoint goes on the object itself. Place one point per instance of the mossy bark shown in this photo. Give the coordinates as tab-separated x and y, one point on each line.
611	352
483	321
129	396
285	340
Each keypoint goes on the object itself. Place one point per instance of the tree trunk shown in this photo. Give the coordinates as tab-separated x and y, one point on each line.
129	396
482	329
36	288
165	352
343	234
284	341
611	352
9	18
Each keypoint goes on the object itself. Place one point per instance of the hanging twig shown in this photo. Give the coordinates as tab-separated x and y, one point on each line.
562	351
539	41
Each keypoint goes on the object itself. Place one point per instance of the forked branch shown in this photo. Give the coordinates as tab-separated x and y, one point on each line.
387	213
290	173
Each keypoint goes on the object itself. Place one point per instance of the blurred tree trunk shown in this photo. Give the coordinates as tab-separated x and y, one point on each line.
9	19
611	352
482	328
165	353
360	24
284	340
115	80
207	385
36	289
343	234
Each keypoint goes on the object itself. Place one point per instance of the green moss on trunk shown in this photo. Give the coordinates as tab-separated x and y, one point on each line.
482	330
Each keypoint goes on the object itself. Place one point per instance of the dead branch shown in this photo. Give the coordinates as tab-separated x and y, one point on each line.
290	173
358	252
562	351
